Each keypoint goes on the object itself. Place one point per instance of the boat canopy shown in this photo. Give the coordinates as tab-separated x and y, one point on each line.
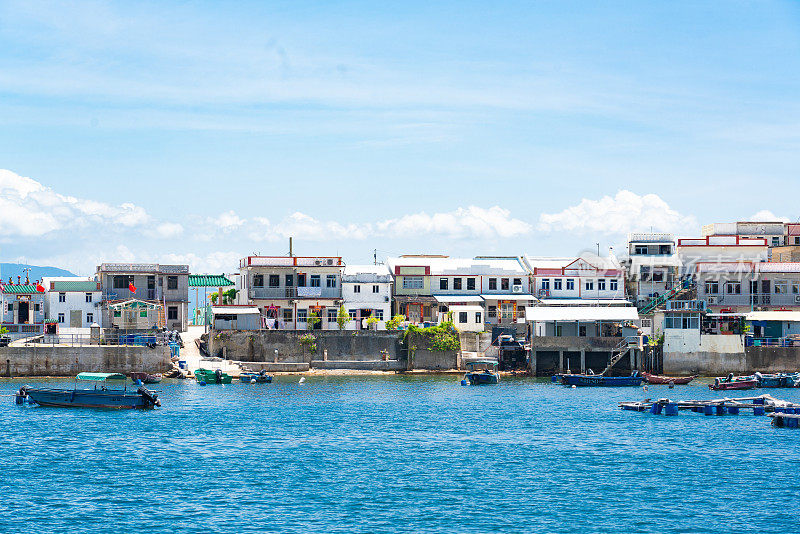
481	362
99	377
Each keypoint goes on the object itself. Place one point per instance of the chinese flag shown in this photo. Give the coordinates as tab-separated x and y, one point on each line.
40	288
132	287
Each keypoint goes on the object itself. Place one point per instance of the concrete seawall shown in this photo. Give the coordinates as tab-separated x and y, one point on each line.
69	361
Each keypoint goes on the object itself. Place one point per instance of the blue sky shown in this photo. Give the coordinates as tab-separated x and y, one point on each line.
462	127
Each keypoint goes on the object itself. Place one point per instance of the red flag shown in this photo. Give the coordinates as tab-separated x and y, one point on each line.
40	288
132	287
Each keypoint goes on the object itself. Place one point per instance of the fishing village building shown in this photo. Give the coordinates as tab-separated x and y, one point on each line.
366	294
158	293
651	264
290	290
22	307
73	302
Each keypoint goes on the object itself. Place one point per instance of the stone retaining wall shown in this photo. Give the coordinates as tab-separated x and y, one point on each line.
69	361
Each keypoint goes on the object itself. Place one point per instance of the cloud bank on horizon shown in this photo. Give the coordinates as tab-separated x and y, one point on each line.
79	233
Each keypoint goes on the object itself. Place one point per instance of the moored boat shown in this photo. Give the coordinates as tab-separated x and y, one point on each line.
734	383
146	378
212	377
481	373
778	380
103	397
258	378
660	379
635	379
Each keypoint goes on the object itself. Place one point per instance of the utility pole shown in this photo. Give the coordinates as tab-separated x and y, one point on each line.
375	256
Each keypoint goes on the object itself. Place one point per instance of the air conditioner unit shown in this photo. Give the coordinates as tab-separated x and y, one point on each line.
797	298
330	261
317	262
516	289
712	300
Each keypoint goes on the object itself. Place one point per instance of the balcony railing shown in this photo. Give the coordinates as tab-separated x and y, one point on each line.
126	294
750	341
755	299
295	292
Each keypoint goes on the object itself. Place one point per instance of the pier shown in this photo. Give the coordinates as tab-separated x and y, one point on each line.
760	405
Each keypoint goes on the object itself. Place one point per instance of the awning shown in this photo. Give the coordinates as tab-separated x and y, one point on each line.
235	310
508	297
788	316
580	313
209	280
585	302
466	308
99	377
458	298
134	304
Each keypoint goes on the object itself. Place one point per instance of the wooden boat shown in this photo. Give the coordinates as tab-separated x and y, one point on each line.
212	377
481	373
104	396
777	380
660	379
146	378
635	379
734	383
259	378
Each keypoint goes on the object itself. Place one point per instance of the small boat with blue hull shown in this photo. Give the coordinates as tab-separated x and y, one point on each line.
778	380
104	396
481	373
635	379
257	378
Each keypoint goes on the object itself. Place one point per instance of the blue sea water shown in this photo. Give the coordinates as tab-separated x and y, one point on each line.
395	454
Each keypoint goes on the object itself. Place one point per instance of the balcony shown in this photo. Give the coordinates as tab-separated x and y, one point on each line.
295	292
126	294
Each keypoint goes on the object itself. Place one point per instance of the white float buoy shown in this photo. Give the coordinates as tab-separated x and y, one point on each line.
574	386
252	380
302	379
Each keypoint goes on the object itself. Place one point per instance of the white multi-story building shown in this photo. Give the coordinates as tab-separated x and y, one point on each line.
722	249
588	279
73	302
774	232
367	293
652	264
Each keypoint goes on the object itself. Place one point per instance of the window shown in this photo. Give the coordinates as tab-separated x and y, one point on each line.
88	297
478	318
274	280
753	286
376	289
11	306
412	282
89	318
665	249
302	316
143	314
457	283
121	282
117	313
559	330
776	241
470	284
356	288
60	317
330	280
658	276
570	284
733	288
582	330
443	283
379	315
352	314
287	315
288	280
797	240
172	313
781	287
517	281
492	284
62	297
682	322
258	280
795	288
301	280
36	307
589	285
332	313
492	312
640	249
545	283
601	284
315	280
557	284
504	284
462	317
151	282
712	288
172	282
613	285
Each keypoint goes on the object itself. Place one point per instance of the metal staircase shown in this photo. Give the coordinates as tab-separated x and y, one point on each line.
620	351
676	291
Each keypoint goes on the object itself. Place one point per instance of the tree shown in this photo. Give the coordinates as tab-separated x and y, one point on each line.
228	297
313	320
342	318
394	322
372	323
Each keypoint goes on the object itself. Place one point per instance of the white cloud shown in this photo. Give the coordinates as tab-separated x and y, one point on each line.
618	215
28	208
470	222
168	230
227	222
767	216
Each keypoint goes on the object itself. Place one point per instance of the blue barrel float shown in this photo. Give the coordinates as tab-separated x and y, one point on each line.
671	409
733	410
720	410
708	409
655	409
759	407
